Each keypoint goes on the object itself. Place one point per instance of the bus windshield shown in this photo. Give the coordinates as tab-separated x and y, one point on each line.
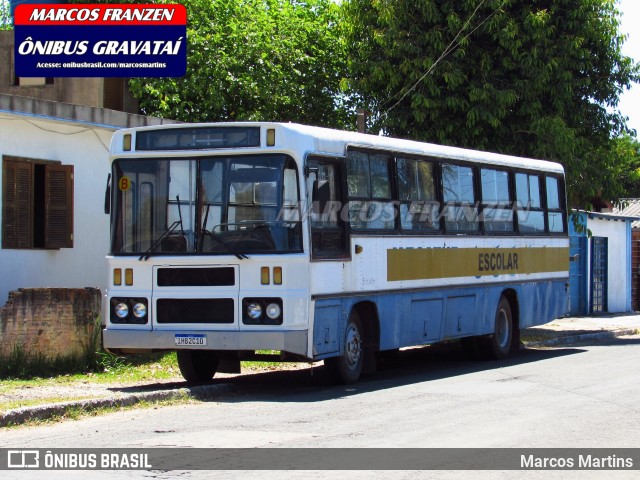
206	205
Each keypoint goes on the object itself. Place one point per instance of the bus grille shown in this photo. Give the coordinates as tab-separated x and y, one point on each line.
195	310
196	277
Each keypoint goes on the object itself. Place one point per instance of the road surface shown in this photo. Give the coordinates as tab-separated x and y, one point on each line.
581	396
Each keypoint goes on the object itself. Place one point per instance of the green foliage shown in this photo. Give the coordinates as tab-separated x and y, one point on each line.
22	364
256	60
624	158
6	22
539	79
98	364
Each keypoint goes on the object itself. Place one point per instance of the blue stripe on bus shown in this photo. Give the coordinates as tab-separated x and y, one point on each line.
420	318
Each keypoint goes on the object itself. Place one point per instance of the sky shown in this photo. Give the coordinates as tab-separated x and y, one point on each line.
630	101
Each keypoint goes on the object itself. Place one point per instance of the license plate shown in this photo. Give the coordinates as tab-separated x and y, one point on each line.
184	339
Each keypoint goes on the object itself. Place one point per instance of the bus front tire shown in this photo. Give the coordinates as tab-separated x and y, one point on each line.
197	366
347	367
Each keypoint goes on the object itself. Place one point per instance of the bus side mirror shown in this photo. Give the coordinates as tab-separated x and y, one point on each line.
107	196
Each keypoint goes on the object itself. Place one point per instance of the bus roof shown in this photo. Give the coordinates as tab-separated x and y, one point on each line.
330	141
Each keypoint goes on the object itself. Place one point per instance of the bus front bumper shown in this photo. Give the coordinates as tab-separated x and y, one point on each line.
134	341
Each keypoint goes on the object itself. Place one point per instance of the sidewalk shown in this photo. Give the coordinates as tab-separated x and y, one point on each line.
572	330
561	332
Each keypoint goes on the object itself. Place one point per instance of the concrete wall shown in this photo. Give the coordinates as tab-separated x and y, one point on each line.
83	91
619	262
51	322
79	91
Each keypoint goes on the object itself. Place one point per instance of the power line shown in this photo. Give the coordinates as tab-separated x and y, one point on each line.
451	47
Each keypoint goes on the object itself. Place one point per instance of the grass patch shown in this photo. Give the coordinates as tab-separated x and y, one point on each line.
22	364
77	413
121	370
108	369
133	368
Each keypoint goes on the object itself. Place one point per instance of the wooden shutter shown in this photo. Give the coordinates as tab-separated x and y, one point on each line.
59	206
17	204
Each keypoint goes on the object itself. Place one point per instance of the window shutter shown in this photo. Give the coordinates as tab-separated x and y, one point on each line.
17	204
59	206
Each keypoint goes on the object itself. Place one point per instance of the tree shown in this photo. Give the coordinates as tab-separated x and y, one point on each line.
5	16
539	79
275	60
624	165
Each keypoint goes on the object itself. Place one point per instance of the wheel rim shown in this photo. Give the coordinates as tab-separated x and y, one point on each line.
503	330
353	348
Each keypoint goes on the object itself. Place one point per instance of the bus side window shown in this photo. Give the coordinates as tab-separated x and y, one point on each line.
529	204
460	210
555	211
497	211
419	208
328	235
369	180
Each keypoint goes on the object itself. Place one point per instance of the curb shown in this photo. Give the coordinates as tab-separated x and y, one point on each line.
43	412
582	337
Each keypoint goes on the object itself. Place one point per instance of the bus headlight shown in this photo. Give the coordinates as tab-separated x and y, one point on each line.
129	310
262	311
273	311
254	311
121	310
139	310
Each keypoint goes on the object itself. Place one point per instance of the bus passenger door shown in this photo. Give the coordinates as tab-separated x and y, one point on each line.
329	234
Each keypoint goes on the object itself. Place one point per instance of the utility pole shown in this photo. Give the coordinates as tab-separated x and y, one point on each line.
362	120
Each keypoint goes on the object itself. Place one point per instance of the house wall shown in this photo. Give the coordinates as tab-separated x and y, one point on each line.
619	260
86	148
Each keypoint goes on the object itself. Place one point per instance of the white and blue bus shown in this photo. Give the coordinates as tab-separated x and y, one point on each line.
231	239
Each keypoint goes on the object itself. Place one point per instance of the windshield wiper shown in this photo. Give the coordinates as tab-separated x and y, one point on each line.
178	223
224	244
219	241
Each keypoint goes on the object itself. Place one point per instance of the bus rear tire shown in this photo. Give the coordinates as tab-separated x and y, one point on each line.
347	367
197	366
499	345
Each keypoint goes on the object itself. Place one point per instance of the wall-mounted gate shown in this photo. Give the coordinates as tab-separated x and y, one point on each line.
599	268
578	276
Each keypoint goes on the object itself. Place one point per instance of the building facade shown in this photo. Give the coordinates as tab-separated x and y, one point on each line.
111	93
600	267
54	171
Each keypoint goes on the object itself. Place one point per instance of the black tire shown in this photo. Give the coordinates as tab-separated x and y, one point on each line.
197	366
499	345
347	367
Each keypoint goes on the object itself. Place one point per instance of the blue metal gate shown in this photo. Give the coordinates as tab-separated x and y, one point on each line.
599	268
578	275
